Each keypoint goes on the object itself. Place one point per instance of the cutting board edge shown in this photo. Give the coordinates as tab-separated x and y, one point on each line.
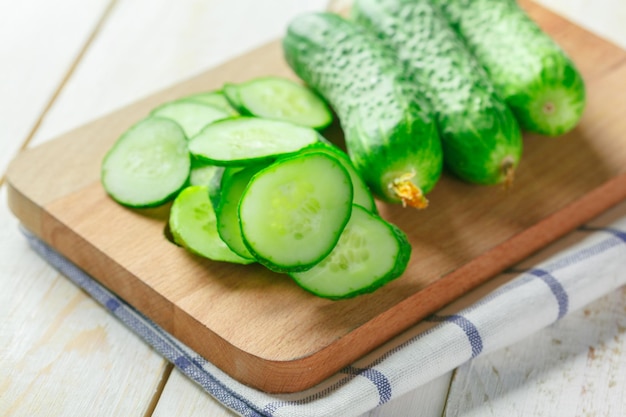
302	372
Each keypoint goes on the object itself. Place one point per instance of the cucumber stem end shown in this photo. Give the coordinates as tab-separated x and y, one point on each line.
410	194
508	172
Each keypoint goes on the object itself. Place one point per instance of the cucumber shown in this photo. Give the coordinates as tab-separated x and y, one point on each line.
226	202
191	115
148	165
361	194
282	99
482	141
214	98
231	92
193	225
292	212
370	253
249	140
390	135
203	174
530	71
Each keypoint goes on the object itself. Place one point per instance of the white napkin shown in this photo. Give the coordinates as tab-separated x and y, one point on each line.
569	274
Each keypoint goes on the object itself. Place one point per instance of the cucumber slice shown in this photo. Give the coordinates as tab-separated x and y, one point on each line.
361	194
215	99
148	165
203	174
370	253
249	140
194	226
191	115
234	182
231	92
293	212
282	99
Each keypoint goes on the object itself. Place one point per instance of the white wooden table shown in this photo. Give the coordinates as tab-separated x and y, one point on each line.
66	62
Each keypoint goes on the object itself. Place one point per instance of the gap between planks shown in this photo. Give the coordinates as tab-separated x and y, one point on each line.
70	71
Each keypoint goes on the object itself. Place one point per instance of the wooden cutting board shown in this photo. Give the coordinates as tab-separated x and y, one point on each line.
261	328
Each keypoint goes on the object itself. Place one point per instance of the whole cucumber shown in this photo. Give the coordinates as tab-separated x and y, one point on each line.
390	136
482	141
537	79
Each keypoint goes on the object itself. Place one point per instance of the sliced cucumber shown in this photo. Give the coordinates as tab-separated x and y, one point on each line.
282	99
361	193
231	92
216	99
191	115
194	226
233	183
148	165
249	140
203	174
370	253
293	212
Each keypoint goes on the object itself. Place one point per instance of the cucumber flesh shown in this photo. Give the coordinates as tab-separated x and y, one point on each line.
203	174
148	165
233	183
283	99
293	212
231	92
249	140
361	193
370	253
191	115
193	225
215	99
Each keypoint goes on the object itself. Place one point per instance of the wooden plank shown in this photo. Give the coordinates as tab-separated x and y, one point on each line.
574	368
290	339
39	42
148	45
61	353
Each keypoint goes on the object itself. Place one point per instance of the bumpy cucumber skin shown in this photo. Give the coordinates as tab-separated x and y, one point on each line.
530	71
401	262
481	139
388	132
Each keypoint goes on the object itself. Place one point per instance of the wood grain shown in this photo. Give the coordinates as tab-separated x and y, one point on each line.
259	326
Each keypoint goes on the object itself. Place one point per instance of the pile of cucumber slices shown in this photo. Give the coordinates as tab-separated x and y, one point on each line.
251	180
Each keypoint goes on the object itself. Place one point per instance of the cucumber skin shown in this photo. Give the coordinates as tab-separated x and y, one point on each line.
400	265
524	63
479	133
387	131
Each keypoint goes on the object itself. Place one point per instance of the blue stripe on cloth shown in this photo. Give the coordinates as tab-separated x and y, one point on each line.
615	232
471	331
380	381
156	337
557	289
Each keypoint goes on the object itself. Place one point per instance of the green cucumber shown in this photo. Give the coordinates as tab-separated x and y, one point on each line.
214	98
191	115
282	99
361	193
226	202
390	136
249	140
231	92
148	165
193	225
530	71
482	141
292	213
370	253
203	174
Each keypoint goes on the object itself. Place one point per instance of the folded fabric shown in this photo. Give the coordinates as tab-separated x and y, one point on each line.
510	307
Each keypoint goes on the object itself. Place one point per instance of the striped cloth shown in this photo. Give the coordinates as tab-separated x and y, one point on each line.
569	274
